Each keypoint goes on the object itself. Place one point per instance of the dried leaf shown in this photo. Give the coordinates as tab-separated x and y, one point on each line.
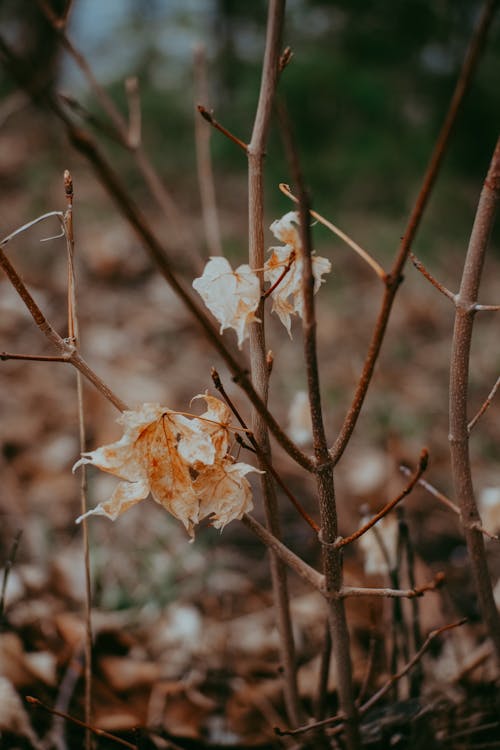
225	493
181	461
231	296
287	297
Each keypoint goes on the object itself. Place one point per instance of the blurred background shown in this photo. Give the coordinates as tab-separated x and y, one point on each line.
367	90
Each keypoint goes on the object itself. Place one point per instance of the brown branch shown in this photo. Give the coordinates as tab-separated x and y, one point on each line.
422	465
67	349
449	503
459	374
286	270
74	334
394	278
331	557
486	308
258	353
426	274
213	122
4	356
98	732
484	407
357	591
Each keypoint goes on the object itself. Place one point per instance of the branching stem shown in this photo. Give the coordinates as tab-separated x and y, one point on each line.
258	354
459	376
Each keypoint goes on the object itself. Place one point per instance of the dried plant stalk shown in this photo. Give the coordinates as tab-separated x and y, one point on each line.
459	375
258	354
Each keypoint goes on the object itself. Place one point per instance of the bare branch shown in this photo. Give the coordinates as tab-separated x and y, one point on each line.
332	560
258	351
356	591
74	333
484	407
67	349
4	356
422	465
208	116
486	308
426	274
459	375
98	732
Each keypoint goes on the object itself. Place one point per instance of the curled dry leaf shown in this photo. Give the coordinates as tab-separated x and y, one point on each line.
181	461
231	296
287	297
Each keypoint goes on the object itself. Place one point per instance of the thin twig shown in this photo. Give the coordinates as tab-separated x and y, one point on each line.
66	348
426	274
285	189
422	465
485	406
486	308
407	545
4	356
331	556
99	732
202	136
258	353
208	116
459	375
286	270
394	278
449	503
50	214
74	335
357	591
